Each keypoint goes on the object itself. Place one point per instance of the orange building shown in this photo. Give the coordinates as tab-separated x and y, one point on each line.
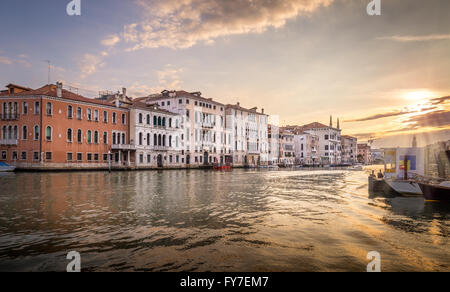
52	128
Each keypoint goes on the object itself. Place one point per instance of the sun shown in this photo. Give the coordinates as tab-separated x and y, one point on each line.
419	95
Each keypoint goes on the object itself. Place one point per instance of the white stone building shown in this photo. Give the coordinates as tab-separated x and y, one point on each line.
349	150
306	148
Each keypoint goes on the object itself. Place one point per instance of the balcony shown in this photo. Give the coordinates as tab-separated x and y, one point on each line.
161	148
125	147
9	142
10	117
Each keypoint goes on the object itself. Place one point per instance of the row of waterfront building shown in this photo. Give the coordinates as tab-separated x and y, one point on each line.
53	128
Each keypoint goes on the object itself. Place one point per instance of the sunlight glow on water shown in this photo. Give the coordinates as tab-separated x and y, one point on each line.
213	221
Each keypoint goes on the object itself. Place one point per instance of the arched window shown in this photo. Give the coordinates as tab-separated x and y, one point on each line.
79	113
69	112
164	122
80	136
159	121
114	118
24	133
164	141
140	118
10	132
36	132
155	140
155	121
159	140
69	135
148	139
140	139
114	138
49	109
89	137
123	139
170	141
170	123
16	132
148	119
105	137
48	133
89	114
96	137
105	116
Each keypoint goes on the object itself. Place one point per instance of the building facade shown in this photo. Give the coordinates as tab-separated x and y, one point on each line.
204	139
287	154
274	145
349	150
306	147
249	135
52	128
364	153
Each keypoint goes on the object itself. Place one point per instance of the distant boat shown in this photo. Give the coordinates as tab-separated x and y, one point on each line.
221	167
6	168
436	192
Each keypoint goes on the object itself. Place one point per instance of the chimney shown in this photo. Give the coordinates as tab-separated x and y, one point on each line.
238	104
124	92
262	111
117	100
331	121
59	87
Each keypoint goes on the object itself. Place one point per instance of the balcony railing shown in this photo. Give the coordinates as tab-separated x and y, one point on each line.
10	117
123	147
9	142
161	148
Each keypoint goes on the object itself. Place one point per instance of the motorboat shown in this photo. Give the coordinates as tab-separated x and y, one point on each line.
6	167
434	192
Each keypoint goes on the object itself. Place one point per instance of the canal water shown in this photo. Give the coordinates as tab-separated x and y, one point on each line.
321	220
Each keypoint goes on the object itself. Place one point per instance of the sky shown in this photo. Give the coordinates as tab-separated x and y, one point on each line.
386	77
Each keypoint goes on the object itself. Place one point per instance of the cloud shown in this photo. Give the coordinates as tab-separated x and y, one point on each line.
111	40
169	77
422	38
5	60
24	63
89	64
436	119
380	116
184	23
440	100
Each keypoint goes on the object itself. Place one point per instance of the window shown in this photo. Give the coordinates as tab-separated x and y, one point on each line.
96	137
114	118
155	121
48	133
25	108
148	139
4	154
326	147
114	139
180	101
187	101
23	155
140	139
69	157
36	132
141	158
124	122
36	156
89	114
14	155
69	135
96	157
89	157
326	137
80	136
69	112
37	108
140	118
79	157
148	119
105	116
89	137
105	157
105	137
24	133
49	109
48	156
96	116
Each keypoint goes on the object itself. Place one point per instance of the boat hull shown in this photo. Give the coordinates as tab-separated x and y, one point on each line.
435	193
7	168
405	188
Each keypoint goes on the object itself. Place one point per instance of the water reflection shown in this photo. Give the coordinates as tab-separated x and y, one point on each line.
213	221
